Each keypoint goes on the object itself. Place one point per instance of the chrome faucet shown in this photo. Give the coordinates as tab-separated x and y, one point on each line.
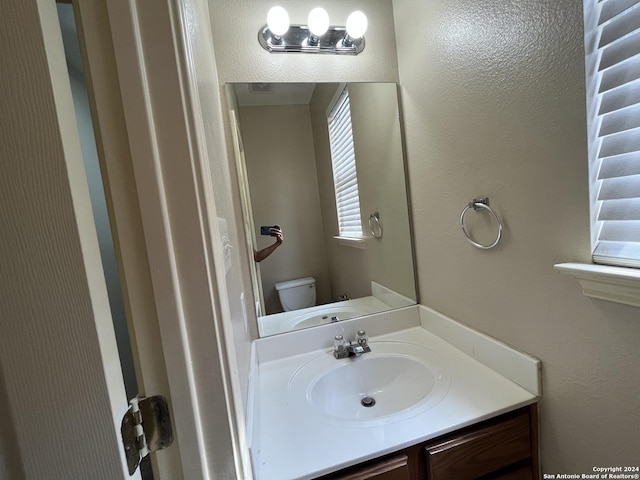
342	349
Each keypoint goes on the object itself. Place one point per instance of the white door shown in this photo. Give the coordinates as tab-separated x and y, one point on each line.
61	389
247	211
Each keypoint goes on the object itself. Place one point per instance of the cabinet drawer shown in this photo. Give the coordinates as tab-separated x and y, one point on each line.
480	452
394	468
523	473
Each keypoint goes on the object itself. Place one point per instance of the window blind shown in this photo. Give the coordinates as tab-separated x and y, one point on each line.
343	161
614	129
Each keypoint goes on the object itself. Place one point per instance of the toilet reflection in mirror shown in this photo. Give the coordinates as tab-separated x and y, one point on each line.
319	160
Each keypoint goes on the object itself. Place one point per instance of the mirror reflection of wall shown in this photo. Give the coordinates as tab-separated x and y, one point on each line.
287	159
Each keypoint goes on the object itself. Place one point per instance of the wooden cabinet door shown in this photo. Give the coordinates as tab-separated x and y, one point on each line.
394	468
523	473
480	452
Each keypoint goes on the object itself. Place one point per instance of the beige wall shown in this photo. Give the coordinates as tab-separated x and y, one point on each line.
493	100
381	184
284	190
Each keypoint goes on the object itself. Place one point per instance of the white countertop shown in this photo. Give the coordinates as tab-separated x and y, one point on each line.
309	317
288	443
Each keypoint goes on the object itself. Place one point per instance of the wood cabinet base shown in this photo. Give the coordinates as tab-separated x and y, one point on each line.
502	448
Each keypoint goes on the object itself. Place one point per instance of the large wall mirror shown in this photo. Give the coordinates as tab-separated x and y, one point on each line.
324	162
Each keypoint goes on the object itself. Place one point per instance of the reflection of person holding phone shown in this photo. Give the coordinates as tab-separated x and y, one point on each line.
274	231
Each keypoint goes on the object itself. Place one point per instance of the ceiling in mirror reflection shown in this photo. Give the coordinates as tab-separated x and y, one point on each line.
285	172
256	94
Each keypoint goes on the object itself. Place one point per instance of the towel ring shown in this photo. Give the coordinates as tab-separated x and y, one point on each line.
374	225
481	204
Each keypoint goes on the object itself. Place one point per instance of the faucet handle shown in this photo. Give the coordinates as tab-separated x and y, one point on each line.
361	337
340	347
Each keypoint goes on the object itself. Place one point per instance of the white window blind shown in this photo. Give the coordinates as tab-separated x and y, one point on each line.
612	39
343	161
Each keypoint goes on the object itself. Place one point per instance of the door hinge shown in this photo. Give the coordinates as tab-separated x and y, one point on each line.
146	427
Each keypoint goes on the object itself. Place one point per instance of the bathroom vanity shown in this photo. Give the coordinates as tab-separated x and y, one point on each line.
502	448
432	399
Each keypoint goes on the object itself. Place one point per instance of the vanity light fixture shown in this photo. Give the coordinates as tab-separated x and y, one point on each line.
318	36
277	23
318	25
356	26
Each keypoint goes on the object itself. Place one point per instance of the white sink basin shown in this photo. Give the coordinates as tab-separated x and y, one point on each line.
394	381
320	316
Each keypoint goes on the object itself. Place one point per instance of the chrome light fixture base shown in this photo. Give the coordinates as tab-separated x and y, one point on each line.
299	39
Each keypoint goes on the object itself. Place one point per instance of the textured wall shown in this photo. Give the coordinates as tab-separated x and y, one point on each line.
493	100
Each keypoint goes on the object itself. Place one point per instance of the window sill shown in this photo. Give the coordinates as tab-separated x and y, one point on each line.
616	284
351	242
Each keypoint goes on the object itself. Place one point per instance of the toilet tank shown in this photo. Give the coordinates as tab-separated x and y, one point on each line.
297	294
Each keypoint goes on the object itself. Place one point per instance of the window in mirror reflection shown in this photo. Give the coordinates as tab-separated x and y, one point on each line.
343	163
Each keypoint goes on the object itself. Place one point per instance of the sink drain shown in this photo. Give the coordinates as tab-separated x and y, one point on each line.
368	402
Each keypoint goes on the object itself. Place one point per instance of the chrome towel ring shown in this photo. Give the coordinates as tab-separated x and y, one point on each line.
481	204
374	225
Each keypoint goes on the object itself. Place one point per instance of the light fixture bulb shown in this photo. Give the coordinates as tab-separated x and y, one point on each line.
318	21
356	24
278	21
